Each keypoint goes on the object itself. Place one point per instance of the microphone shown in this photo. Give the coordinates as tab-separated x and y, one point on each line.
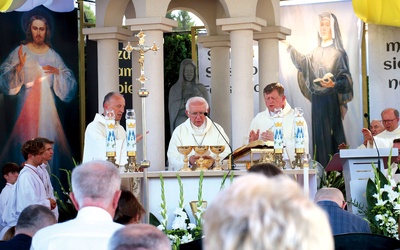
366	116
223	137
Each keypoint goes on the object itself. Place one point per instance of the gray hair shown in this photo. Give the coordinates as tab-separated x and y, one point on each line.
257	212
95	180
33	218
329	194
196	99
139	236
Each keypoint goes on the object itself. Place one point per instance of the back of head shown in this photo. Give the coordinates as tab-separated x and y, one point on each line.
95	181
267	169
33	218
329	194
10	167
129	209
277	215
139	237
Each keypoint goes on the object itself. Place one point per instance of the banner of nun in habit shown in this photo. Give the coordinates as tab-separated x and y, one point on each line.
319	67
39	87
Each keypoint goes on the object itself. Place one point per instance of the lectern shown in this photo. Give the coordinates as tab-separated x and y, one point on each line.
357	169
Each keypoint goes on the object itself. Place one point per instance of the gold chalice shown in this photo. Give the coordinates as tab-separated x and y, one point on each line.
185	150
200	150
217	150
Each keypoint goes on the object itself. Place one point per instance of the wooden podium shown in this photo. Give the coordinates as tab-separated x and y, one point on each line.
356	165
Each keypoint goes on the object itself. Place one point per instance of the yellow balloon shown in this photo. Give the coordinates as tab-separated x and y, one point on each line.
381	12
4	5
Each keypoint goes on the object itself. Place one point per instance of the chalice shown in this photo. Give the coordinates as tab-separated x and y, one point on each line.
200	150
217	150
185	150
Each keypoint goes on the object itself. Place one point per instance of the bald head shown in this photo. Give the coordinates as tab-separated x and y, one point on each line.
376	127
330	194
139	237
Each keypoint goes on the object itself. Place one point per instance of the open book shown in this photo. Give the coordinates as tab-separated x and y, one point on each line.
325	78
242	153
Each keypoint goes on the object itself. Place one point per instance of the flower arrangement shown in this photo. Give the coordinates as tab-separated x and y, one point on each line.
383	203
182	230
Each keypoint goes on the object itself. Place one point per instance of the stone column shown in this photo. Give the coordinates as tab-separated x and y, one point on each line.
268	57
241	35
220	80
154	104
107	52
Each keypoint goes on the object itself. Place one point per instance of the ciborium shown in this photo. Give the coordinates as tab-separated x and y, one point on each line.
185	150
200	150
217	150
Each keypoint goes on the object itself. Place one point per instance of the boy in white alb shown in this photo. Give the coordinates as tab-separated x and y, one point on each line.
10	173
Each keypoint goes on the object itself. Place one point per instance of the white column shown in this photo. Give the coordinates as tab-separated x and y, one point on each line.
241	36
268	57
107	52
220	80
242	84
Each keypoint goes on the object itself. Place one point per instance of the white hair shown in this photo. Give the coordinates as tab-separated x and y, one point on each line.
257	212
95	180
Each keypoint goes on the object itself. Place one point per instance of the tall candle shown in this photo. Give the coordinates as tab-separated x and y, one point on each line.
278	130
130	132
110	133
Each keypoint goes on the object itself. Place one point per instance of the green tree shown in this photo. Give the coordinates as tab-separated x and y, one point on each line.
90	17
184	20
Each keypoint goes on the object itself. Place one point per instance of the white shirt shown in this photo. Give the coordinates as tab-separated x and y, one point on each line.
91	229
4	197
265	121
95	141
188	135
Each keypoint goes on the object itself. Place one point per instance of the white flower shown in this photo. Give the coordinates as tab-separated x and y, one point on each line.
381	202
179	223
186	238
161	227
191	226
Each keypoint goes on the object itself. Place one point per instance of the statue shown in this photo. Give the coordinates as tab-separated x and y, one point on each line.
185	88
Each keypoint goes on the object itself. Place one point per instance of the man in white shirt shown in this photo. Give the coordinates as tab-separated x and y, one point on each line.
96	191
261	127
197	130
29	189
95	134
390	120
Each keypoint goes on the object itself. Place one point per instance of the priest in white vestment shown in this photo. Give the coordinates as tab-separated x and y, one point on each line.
197	130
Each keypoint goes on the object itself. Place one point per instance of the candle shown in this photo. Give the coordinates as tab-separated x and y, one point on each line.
278	130
110	133
130	117
299	130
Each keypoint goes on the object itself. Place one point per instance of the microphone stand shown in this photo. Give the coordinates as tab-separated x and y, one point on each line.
366	116
232	164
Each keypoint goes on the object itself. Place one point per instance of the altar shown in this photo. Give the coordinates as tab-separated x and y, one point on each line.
150	194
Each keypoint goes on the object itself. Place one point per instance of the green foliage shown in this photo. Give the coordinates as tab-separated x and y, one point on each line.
90	17
65	207
183	18
177	47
